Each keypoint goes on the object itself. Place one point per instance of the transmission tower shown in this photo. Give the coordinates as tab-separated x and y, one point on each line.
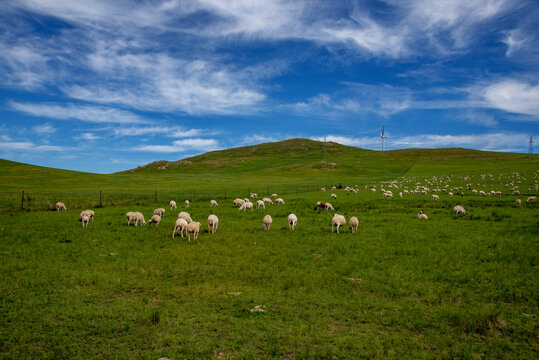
382	139
530	145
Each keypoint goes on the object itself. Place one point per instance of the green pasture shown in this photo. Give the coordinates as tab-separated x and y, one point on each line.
450	287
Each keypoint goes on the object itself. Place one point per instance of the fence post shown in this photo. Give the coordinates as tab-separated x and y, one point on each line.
22	201
268	190
100	198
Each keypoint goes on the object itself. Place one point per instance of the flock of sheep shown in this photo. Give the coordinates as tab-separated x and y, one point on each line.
184	225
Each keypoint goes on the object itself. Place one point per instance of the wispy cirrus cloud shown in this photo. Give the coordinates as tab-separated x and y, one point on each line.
87	113
29	146
44	129
181	146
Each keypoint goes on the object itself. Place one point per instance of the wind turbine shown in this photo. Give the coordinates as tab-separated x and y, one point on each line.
382	138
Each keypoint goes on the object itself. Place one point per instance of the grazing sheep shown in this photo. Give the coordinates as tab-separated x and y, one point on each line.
268	200
451	194
354	224
388	195
323	189
186	216
238	202
329	207
186	202
459	210
172	204
88	213
333	196
194	228
292	221
181	225
254	195
213	203
435	197
213	223
518	202
279	201
337	220
160	212
267	222
260	204
84	219
274	196
60	206
531	198
156	219
400	194
324	205
136	217
422	216
246	205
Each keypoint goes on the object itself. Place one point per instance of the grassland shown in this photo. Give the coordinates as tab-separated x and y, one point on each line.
450	287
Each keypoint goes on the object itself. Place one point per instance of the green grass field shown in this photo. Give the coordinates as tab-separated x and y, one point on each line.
463	287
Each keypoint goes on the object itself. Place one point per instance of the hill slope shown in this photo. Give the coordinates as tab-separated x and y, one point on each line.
295	161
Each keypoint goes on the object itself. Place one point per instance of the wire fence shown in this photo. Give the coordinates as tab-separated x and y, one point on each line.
32	200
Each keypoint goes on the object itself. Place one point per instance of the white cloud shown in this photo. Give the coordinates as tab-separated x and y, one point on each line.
513	96
383	100
180	146
87	136
88	113
28	146
44	129
500	141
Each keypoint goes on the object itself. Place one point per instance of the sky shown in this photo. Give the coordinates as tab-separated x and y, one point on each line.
104	86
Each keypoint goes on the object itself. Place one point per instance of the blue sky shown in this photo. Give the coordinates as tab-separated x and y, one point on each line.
104	86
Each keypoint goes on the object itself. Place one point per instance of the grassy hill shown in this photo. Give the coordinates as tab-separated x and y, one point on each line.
286	166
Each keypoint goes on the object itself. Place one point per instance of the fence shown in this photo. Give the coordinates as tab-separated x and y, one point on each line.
30	200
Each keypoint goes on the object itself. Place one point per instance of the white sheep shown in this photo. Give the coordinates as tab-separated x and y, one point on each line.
400	194
238	202
213	203
186	216
267	222
60	206
451	194
337	220
186	202
333	196
531	199
279	201
172	204
181	225
354	224
459	210
274	196
213	223
421	215
84	219
156	219
323	189
246	205
328	206
435	197
88	213
518	202
268	200
253	195
292	221
194	228
160	212
260	204
388	195
136	217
